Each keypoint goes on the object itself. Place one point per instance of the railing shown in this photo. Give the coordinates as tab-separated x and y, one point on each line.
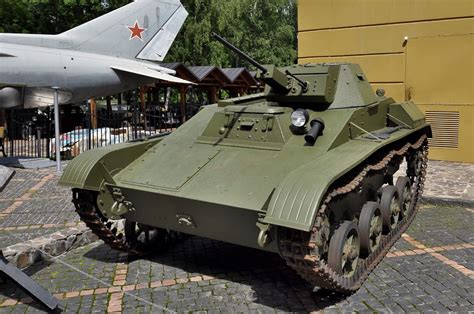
30	133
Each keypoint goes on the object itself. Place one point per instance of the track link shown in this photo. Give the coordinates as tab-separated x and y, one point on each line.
298	247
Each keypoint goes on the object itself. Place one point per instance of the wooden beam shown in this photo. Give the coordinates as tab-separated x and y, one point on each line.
93	109
3	116
109	104
182	102
142	97
212	94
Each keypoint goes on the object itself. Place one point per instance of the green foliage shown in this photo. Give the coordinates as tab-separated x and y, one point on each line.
50	16
14	17
265	29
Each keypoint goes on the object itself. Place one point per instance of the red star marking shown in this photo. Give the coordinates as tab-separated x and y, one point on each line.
136	31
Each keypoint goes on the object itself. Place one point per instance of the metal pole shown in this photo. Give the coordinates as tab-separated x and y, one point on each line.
56	129
38	141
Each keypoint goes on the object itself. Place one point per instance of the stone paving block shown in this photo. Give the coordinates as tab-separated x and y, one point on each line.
4	204
52	189
13	237
32	214
17	187
443	225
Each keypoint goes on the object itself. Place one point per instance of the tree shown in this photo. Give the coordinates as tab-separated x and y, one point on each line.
264	29
51	16
15	17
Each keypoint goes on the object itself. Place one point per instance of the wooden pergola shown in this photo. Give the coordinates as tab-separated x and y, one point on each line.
211	78
240	81
184	73
237	81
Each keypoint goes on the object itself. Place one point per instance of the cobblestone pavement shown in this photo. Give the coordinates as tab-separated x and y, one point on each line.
448	182
32	205
429	269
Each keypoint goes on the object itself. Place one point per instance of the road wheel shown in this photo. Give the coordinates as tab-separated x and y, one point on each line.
390	208
405	194
344	249
370	228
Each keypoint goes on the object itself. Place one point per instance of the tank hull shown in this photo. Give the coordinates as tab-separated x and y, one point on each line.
305	170
214	221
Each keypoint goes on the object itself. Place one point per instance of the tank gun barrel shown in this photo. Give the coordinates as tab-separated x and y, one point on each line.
242	54
272	76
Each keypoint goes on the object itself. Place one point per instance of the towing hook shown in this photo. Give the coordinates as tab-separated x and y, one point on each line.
264	237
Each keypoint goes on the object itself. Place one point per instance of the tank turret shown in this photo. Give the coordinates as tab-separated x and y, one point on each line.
302	84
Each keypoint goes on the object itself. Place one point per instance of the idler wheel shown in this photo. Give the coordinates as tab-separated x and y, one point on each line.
370	228
144	238
344	249
403	186
390	208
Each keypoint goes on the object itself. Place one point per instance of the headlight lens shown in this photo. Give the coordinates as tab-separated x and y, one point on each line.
299	118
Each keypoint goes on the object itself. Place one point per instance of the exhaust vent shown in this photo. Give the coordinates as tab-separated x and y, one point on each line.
445	126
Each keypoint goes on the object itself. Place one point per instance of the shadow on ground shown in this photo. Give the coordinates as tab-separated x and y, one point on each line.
263	275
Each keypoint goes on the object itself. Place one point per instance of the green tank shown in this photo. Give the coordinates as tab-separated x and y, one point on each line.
305	170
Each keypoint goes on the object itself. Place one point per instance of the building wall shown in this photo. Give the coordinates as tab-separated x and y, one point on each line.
419	50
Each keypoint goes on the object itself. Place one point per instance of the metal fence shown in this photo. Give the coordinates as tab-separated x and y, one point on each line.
30	132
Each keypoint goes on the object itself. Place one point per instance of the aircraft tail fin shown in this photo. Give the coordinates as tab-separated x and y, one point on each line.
144	29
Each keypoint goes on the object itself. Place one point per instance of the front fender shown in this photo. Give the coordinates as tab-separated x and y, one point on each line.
90	169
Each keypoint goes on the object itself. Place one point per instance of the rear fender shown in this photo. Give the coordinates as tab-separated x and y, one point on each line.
90	169
296	200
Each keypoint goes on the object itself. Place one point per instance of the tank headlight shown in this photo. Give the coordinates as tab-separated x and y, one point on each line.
299	118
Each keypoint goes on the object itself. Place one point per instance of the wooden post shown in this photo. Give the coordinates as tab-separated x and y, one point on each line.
212	95
142	97
93	109
3	117
109	104
149	94
182	101
143	90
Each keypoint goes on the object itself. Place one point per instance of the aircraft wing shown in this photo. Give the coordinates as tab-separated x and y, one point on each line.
6	55
138	70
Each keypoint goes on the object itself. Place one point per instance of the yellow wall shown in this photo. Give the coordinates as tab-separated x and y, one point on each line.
434	67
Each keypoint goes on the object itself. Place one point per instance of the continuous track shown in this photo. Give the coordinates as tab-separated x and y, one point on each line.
108	231
298	248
